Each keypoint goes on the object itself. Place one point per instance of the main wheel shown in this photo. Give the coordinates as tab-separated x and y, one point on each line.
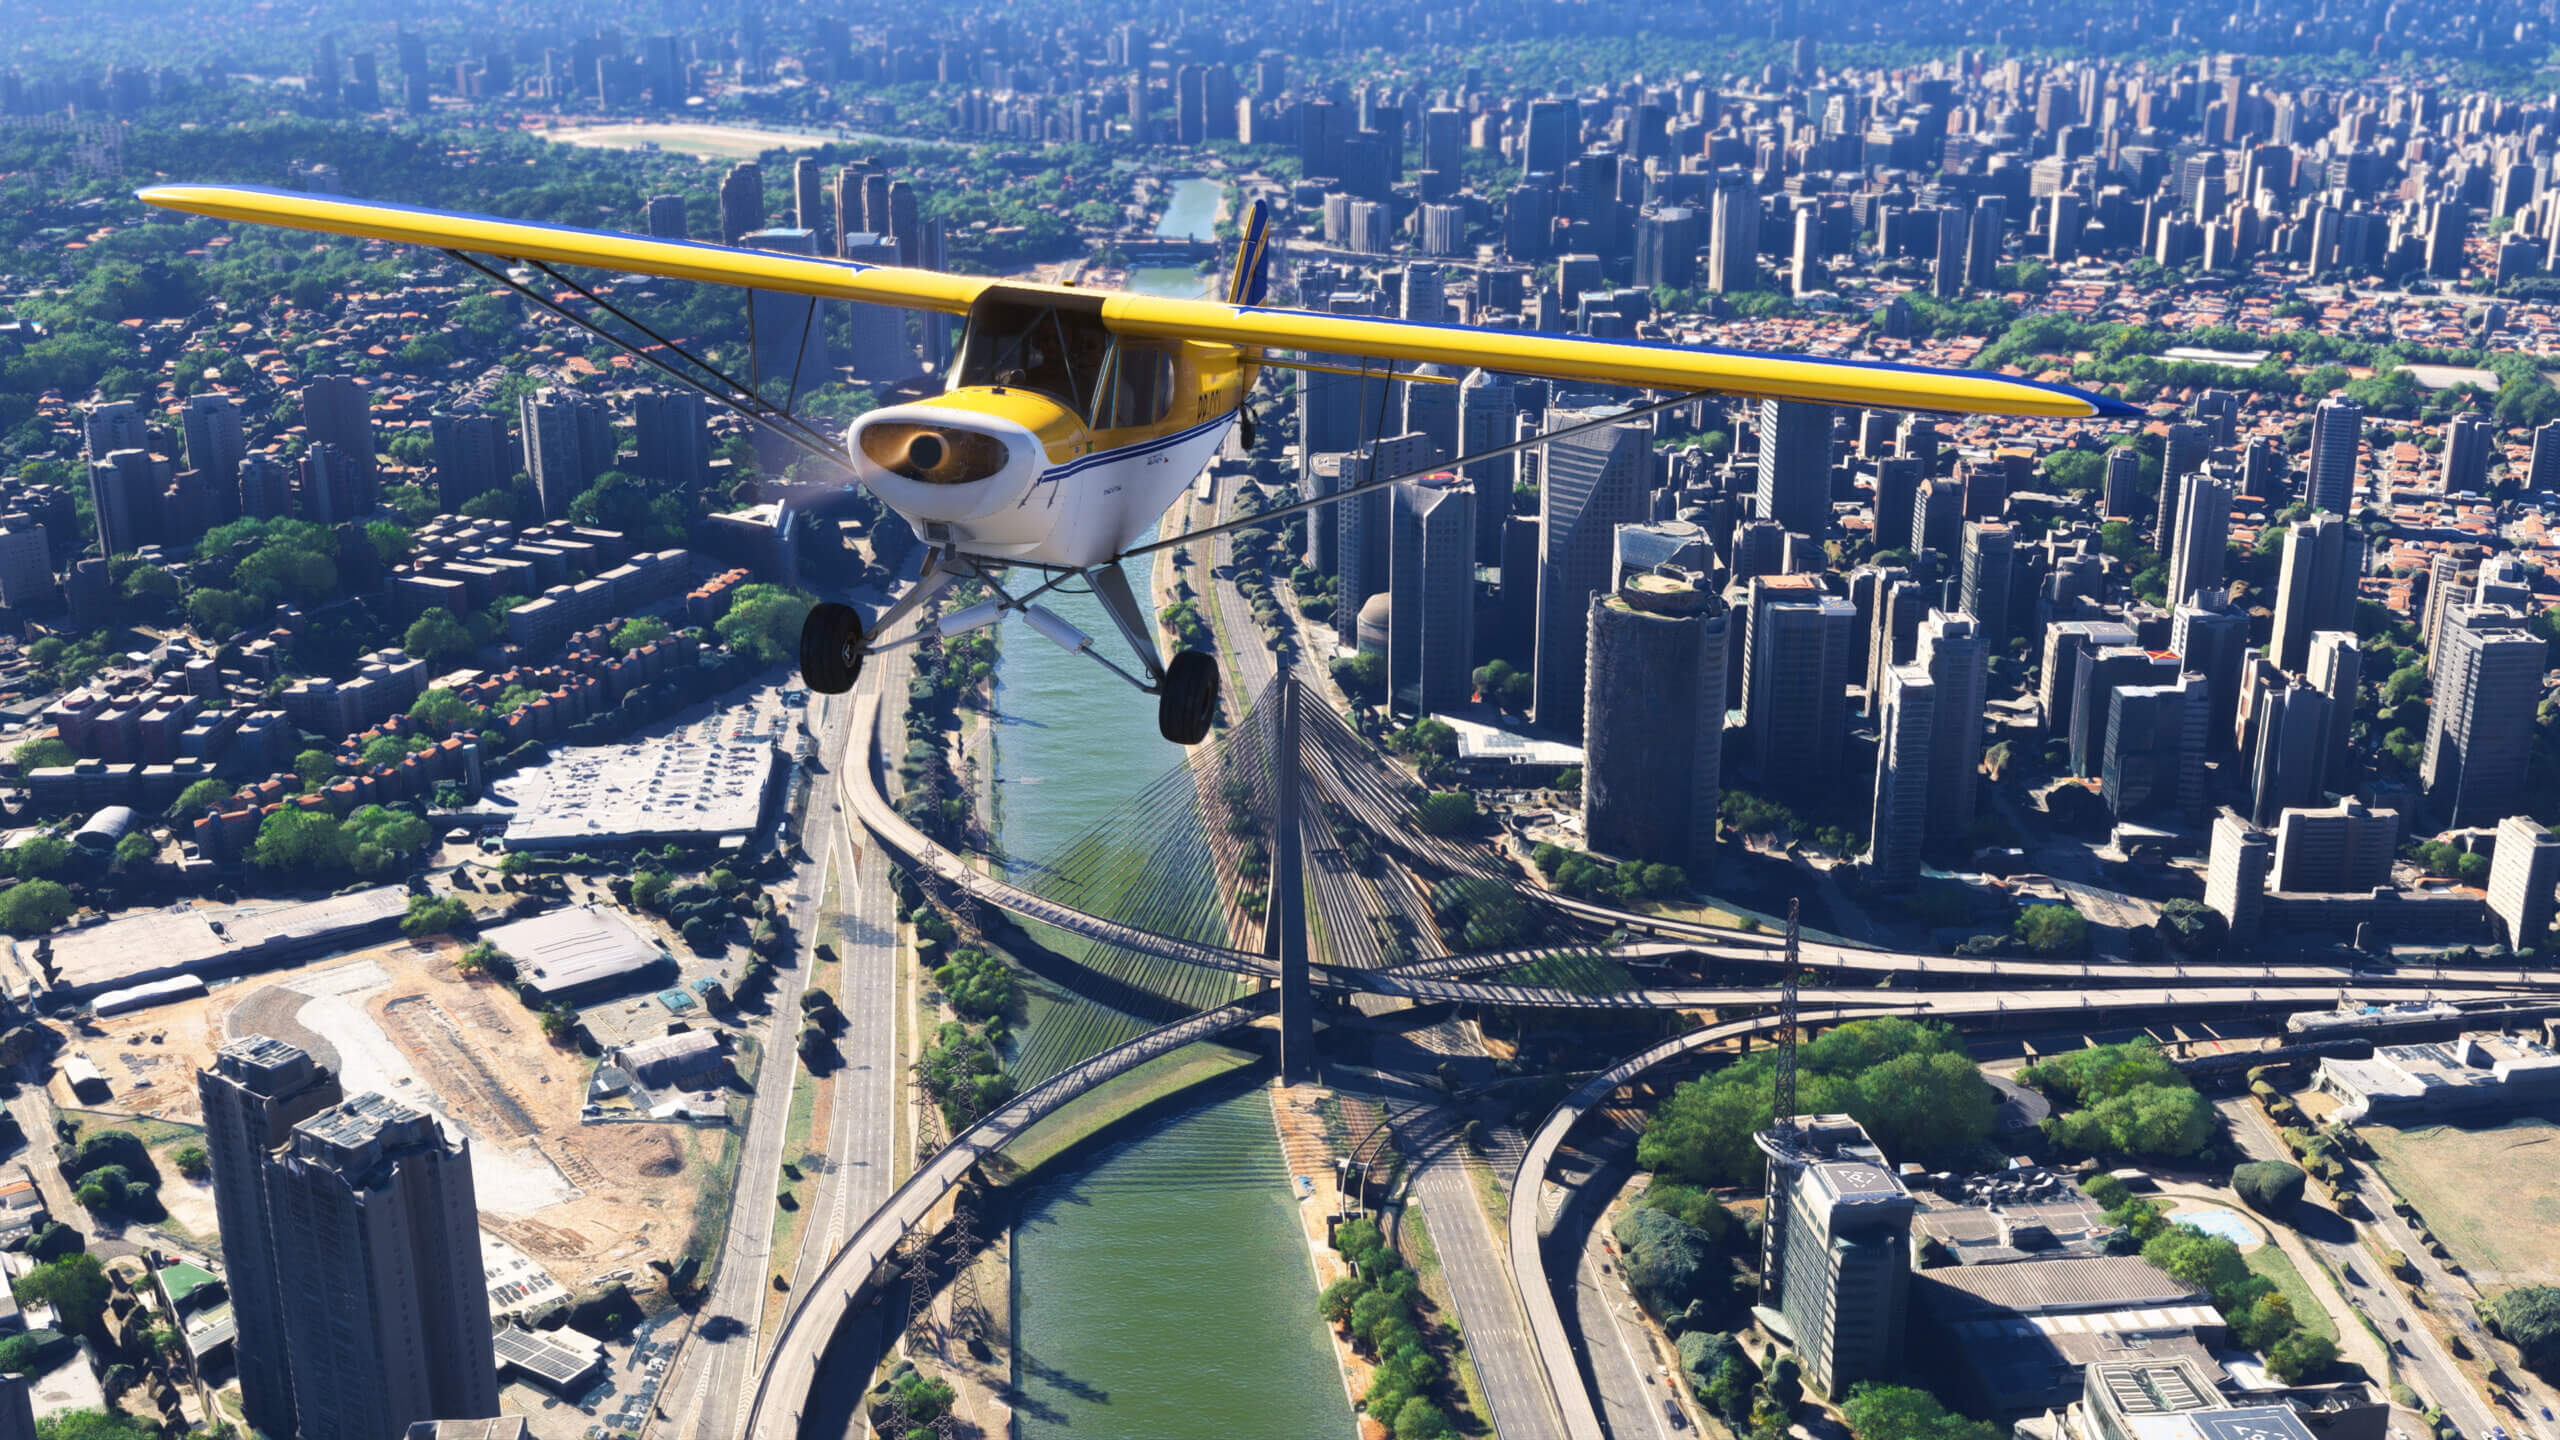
1188	699
831	647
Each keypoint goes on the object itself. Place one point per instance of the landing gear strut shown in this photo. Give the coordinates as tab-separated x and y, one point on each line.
1187	697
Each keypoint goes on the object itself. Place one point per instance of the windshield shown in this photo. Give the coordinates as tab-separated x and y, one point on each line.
1055	350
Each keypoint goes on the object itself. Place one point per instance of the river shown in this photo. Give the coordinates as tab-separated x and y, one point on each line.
1191	214
1162	1288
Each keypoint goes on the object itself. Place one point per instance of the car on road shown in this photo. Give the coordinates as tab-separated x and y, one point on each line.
1671	1412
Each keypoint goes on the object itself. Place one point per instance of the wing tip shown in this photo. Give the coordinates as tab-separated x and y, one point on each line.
2107	407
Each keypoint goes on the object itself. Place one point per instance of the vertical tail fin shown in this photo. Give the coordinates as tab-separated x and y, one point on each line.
1252	275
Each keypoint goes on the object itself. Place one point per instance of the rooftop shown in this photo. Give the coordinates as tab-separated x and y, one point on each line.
582	945
705	779
186	939
2057	1287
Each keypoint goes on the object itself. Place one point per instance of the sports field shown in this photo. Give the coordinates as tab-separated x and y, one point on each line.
2506	1233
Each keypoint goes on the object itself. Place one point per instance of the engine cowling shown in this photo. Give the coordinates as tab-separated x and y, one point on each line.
941	465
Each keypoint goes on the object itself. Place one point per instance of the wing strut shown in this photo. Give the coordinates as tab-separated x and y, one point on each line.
735	397
1617	417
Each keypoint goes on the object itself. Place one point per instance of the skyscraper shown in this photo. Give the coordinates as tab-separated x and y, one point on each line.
876	344
741	201
1365	526
112	425
1653	721
376	1233
2098	675
2292	726
2480	731
1432	578
1486	407
2065	641
809	203
1547	137
2522	873
1795	681
472	455
2155	749
2323	559
124	490
2335	849
2203	532
2542	474
339	411
1988	561
255	1093
2235	877
568	442
2336	668
1591	484
1795	466
2182	456
1843	1276
1906	729
791	352
211	424
1951	649
2337	434
671	437
2468	441
1733	236
2212	641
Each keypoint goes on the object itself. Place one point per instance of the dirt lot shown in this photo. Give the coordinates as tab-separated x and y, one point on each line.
2506	1234
588	1202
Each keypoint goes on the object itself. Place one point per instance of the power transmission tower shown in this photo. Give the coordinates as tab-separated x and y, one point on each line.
1781	1141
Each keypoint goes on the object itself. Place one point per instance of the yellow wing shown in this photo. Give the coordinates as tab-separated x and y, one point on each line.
567	245
1648	365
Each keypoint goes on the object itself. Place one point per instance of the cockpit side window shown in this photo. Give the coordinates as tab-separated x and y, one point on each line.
1143	384
1053	350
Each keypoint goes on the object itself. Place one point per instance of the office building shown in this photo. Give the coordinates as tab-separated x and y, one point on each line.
1733	234
2235	876
1667	248
2199	539
26	566
2336	669
1795	682
791	352
2212	642
2117	496
2542	473
338	411
1365	526
1952	650
2289	763
1795	466
1488	413
2316	589
2480	730
671	438
2155	749
257	1090
1653	721
2065	641
568	442
809	203
215	442
665	218
2337	434
473	455
741	201
1937	517
1432	584
1988	560
1893	630
376	1232
876	344
2468	443
2522	872
2333	850
124	490
2444	595
1843	1276
111	425
1590	484
2095	679
1906	728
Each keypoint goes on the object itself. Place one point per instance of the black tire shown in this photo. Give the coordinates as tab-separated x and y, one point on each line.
832	647
1187	703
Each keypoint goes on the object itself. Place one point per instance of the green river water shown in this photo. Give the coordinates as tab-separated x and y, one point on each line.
1161	1288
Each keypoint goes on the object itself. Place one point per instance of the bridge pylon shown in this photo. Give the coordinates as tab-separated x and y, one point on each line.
1285	929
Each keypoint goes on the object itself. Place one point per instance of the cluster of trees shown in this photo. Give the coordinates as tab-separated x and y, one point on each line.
375	840
1576	873
978	985
1475	913
1901	1412
962	1071
2450	862
2528	1317
1447	812
2270	1187
112	1173
2125	1099
434	915
1182	620
1377	1305
32	907
1758	817
1362	676
1910	1083
763	622
1505	688
1676	1249
701	910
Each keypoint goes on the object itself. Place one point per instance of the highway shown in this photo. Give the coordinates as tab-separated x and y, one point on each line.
718	1369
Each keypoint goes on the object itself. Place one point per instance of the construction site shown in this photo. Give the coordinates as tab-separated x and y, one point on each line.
592	1205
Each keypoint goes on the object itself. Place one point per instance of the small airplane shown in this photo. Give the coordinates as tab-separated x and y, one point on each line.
1071	419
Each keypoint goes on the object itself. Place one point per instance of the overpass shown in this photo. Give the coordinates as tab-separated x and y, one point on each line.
785	1382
